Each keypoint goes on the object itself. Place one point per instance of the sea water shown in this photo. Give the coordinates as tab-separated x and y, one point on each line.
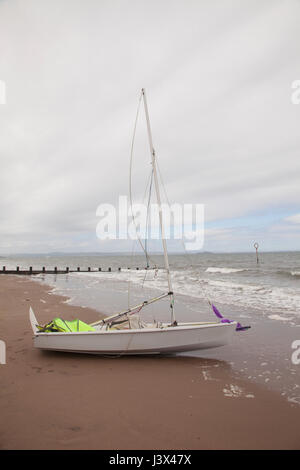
264	295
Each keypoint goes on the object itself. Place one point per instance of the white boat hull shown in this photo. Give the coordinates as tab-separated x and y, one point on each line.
184	337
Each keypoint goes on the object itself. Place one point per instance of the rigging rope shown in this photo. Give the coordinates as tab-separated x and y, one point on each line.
130	179
150	179
147	218
144	248
183	244
149	184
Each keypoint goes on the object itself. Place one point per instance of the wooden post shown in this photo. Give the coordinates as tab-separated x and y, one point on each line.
256	245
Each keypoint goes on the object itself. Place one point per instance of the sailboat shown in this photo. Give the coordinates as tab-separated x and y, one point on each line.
124	333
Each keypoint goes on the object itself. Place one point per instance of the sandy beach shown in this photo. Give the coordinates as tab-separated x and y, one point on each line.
69	401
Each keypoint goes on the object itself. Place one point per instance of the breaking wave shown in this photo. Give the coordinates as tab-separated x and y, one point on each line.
295	273
259	296
224	270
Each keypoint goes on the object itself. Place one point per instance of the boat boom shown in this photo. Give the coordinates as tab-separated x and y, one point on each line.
129	310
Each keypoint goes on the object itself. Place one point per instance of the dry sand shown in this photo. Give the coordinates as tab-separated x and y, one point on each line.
54	400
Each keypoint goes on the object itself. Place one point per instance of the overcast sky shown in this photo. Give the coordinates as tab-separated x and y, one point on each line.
218	76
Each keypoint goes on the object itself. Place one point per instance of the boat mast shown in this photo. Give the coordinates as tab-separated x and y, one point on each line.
153	161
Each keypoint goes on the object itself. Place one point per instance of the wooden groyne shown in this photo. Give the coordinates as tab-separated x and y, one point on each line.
44	270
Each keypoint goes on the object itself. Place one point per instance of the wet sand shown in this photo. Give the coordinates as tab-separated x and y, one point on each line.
54	400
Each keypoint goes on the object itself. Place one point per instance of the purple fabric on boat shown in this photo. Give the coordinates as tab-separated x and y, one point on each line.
216	311
239	327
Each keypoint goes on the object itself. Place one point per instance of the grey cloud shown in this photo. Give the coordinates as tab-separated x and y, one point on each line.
218	76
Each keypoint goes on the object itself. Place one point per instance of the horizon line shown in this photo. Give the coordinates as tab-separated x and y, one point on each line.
115	253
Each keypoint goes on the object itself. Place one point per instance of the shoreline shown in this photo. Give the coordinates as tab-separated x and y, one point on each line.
261	354
52	400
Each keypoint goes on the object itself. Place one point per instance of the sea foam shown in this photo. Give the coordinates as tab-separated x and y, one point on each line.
224	270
